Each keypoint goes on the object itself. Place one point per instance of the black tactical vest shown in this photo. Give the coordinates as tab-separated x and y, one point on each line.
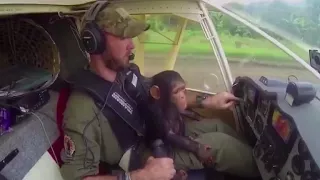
121	103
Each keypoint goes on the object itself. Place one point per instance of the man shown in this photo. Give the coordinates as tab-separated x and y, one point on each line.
90	139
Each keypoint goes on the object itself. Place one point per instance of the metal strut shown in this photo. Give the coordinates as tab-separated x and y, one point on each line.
212	35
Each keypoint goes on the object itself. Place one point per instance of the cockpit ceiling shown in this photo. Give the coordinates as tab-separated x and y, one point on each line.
46	2
188	9
73	2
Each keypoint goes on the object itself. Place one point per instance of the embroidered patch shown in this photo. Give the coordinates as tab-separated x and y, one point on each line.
69	146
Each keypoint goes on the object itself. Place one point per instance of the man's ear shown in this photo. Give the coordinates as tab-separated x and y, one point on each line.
155	92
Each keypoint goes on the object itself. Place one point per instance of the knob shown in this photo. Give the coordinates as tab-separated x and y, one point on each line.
257	151
276	169
289	176
297	165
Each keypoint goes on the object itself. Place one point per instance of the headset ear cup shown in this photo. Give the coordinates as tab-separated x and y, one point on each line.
93	39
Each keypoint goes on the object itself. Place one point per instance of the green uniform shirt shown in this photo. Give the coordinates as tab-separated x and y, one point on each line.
88	140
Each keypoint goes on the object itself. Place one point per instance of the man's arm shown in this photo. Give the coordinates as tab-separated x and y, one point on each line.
195	100
221	101
81	154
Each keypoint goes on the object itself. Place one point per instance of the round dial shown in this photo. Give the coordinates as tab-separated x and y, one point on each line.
297	165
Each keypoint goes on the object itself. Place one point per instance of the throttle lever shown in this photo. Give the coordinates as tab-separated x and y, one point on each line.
158	148
159	151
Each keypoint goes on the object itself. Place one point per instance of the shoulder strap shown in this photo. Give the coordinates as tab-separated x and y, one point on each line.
115	103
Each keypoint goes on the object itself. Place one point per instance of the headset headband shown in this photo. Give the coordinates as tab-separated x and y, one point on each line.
93	11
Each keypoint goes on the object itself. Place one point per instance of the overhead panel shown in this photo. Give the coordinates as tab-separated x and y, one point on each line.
160	7
192	17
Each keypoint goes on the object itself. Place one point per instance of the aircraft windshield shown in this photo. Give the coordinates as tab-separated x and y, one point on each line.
294	23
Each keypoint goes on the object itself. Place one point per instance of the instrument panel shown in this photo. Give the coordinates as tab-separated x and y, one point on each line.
278	147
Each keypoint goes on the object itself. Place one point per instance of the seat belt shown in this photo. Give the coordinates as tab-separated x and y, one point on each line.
112	95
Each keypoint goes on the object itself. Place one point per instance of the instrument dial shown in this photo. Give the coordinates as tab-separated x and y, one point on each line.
289	176
297	165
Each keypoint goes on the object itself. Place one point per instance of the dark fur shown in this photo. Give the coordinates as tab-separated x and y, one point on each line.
166	122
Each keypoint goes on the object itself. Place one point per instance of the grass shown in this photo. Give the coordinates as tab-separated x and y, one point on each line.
194	43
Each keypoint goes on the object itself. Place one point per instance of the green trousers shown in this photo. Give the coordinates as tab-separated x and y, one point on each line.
231	153
93	141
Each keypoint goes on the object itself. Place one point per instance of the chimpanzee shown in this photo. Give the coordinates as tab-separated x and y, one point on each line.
167	100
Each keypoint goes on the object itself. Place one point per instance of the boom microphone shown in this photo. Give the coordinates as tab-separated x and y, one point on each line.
131	57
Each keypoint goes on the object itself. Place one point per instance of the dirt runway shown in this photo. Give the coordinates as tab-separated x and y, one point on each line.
202	72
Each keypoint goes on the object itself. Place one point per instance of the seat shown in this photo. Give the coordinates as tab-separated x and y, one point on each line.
58	145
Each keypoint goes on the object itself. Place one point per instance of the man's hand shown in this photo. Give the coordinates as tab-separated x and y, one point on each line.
223	100
156	169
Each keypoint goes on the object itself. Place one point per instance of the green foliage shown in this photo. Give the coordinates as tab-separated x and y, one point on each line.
235	47
239	41
300	20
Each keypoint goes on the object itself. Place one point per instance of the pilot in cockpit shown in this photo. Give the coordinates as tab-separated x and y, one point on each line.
94	139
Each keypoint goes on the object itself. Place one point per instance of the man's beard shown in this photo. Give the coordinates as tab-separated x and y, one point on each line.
115	65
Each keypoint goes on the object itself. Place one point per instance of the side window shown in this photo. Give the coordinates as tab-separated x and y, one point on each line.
193	57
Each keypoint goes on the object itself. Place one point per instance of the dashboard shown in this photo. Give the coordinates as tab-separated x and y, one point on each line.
284	138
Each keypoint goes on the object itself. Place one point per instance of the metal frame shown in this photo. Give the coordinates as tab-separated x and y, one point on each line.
169	65
9	9
213	37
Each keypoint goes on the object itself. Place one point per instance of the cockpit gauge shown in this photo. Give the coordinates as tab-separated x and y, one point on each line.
297	165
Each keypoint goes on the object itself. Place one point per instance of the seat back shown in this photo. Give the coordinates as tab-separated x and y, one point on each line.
58	145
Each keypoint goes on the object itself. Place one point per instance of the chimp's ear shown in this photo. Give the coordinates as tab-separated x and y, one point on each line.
155	92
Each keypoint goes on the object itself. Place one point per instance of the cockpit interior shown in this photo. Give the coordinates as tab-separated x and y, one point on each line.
215	45
279	133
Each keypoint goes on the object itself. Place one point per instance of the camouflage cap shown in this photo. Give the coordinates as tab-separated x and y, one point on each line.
117	21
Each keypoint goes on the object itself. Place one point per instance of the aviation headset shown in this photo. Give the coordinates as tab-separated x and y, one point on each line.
91	35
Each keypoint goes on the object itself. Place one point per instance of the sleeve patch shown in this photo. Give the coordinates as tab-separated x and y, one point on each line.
69	146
